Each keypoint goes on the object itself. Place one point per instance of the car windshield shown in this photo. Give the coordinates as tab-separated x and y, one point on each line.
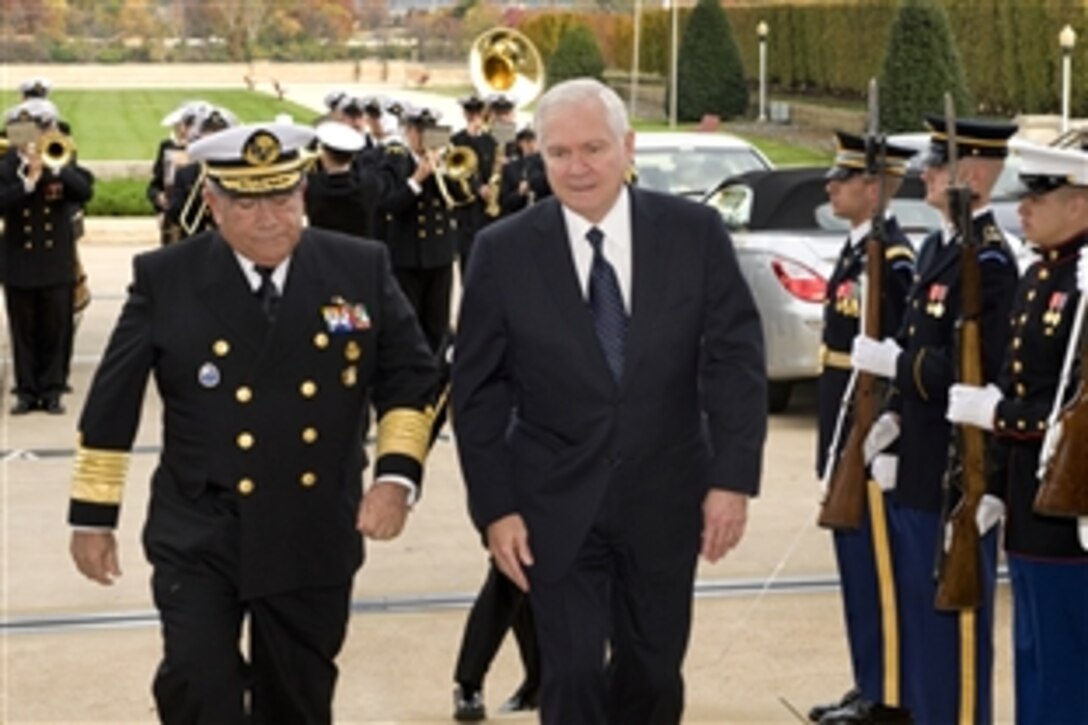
692	171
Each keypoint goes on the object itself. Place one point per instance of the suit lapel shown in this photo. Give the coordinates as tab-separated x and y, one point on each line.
650	263
228	296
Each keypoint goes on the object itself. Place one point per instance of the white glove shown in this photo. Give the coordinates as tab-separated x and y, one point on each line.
1082	531
1082	271
991	509
884	468
876	357
973	405
882	434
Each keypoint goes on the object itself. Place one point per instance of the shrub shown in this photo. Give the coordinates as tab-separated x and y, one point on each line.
576	56
119	197
710	78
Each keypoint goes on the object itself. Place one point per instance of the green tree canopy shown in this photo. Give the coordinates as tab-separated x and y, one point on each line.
576	56
921	65
711	76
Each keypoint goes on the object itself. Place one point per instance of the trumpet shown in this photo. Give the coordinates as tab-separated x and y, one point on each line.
458	164
57	150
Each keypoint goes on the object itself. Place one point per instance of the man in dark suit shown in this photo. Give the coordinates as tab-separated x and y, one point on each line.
40	205
268	343
610	410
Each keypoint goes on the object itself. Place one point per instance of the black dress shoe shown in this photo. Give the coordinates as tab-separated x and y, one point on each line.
524	700
53	406
868	713
22	406
818	711
468	705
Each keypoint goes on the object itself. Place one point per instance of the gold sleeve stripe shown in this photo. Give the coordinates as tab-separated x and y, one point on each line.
99	475
405	431
897	252
918	374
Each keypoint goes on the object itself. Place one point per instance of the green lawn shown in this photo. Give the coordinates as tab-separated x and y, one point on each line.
110	124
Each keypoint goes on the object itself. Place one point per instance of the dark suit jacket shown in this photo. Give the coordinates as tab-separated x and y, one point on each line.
543	429
299	389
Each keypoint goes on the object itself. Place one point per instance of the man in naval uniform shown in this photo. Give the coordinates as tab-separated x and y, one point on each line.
268	343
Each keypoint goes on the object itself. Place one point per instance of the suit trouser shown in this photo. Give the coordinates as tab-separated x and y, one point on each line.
499	606
294	636
428	291
40	320
1050	639
611	603
947	657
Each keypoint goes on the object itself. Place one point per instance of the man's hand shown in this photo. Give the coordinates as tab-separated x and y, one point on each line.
383	511
95	555
973	405
885	470
508	542
724	516
878	357
1082	271
882	433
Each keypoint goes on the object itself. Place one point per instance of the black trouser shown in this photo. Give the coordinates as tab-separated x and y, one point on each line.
294	636
499	606
428	291
40	320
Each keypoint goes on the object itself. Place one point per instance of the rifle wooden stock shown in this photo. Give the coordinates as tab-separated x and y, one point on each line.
1064	491
959	583
846	495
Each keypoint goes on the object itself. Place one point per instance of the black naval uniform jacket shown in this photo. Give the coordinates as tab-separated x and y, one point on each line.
526	168
39	248
184	206
419	228
843	305
1042	315
272	415
343	201
926	368
158	183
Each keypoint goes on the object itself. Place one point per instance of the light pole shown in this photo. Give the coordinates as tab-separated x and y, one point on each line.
674	61
761	31
633	102
1067	38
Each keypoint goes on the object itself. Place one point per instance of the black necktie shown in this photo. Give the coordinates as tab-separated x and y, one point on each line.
606	303
267	294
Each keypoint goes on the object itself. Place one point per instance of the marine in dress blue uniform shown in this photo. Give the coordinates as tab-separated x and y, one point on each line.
862	555
269	343
946	657
1048	561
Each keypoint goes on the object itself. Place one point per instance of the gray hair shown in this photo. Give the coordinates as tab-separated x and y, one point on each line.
576	91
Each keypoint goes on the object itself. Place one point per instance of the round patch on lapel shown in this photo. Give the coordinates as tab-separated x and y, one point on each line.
208	375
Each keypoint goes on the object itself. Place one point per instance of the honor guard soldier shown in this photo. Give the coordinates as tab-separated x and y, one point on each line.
946	657
42	192
524	180
168	159
1048	562
856	196
269	343
472	216
419	226
186	207
339	194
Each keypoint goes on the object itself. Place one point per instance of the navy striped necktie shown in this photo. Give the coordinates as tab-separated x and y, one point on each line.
606	303
267	294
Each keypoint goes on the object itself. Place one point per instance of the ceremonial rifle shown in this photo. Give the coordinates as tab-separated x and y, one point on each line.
959	574
846	492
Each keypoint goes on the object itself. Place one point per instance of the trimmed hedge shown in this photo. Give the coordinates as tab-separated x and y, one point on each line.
119	197
710	76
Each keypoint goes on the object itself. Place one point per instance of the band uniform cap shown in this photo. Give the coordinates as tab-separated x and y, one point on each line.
501	102
185	113
1046	168
40	110
351	106
372	105
395	107
850	157
975	137
256	159
471	102
525	134
333	98
421	116
339	137
35	87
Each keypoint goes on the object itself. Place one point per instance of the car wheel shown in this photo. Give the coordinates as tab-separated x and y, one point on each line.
778	395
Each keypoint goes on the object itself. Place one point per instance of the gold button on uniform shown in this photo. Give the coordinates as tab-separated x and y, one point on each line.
1017	366
350	376
352	352
321	341
245	440
308	388
309	435
243	394
1021	390
246	486
221	348
308	479
1031	295
1016	343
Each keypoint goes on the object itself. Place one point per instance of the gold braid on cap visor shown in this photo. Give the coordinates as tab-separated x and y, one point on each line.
99	475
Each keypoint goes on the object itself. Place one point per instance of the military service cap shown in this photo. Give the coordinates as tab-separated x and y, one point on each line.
372	105
850	157
472	103
420	116
975	138
35	87
39	110
334	98
339	137
255	159
501	102
1046	168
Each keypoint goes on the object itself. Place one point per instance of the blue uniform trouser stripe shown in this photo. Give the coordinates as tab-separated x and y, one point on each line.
930	639
1050	640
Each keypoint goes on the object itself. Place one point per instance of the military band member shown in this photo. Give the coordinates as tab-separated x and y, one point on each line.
268	344
1048	563
41	204
186	208
855	196
169	157
472	216
524	180
946	657
419	227
339	194
37	87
